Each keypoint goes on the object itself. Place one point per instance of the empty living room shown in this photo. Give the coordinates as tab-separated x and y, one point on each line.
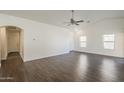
62	46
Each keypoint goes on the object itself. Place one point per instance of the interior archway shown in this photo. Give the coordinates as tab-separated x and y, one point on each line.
11	41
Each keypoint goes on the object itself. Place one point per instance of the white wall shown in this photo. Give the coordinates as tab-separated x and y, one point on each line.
0	50
3	36
40	40
94	33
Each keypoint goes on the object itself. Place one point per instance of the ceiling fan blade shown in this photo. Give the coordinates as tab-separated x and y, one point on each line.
80	21
76	24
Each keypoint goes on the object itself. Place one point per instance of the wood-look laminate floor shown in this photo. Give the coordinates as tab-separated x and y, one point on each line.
74	66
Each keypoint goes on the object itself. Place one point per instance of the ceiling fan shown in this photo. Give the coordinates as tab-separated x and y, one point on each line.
73	21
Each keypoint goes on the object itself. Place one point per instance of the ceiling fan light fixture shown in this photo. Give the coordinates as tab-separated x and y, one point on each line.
75	22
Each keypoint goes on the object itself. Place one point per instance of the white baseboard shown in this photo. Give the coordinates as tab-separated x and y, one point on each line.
28	60
97	53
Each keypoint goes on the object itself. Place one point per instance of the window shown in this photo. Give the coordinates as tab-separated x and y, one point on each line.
109	41
83	40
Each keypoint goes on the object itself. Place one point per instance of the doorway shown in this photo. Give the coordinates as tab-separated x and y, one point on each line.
12	41
13	38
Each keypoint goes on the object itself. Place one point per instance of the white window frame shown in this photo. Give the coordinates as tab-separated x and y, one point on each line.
83	41
110	39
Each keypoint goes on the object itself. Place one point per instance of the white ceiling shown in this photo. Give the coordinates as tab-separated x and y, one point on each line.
58	17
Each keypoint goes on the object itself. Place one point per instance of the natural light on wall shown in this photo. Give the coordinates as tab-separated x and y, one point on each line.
83	40
109	41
